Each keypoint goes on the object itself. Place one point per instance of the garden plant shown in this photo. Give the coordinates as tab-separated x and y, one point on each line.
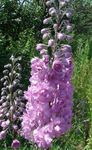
45	103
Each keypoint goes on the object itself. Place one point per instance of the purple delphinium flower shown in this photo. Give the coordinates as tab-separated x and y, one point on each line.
48	113
15	144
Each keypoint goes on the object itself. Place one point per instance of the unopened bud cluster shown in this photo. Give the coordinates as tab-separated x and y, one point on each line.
12	101
48	112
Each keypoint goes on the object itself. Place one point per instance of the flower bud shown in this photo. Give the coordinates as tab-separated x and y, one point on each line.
40	46
11	108
46	35
8	97
2	110
3	93
69	28
7	87
18	75
10	74
51	43
12	58
62	3
45	30
2	134
14	117
5	83
5	71
7	114
4	104
69	13
15	127
19	67
16	82
61	36
52	11
10	87
16	103
5	77
55	26
20	92
49	2
66	48
3	97
47	20
4	89
15	144
5	124
1	115
2	79
14	72
8	66
52	8
43	52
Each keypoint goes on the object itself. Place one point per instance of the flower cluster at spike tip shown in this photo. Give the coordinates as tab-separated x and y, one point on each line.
48	112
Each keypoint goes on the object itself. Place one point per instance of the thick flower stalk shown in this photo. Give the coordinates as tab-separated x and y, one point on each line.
12	101
48	112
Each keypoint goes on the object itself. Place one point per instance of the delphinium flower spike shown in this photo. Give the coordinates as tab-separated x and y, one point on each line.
12	102
48	112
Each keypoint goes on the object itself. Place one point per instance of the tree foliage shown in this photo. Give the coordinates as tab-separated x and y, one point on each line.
82	18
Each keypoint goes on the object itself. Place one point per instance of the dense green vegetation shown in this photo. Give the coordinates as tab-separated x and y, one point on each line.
20	25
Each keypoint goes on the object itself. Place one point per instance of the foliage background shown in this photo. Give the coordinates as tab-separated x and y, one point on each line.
20	25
